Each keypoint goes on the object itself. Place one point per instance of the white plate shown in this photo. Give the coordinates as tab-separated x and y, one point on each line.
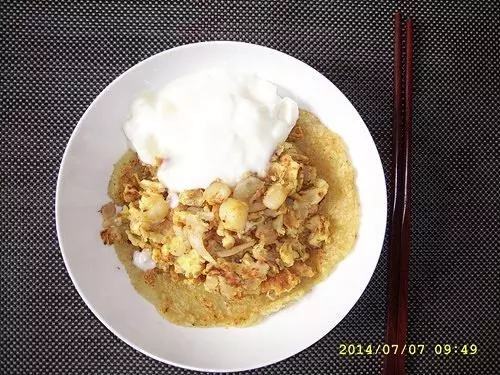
98	142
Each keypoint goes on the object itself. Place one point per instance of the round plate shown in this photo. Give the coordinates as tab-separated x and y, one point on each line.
98	142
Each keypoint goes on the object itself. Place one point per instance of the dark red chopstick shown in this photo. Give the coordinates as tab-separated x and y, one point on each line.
395	235
397	315
406	225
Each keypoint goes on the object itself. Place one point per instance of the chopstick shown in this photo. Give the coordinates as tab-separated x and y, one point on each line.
395	235
399	246
406	225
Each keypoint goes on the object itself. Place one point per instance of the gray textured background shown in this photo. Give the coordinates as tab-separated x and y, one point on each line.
56	58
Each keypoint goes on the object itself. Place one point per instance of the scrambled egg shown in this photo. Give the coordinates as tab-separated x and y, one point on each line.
288	254
190	264
251	239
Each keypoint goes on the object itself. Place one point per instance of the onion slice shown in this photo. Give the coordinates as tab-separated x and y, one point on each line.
196	241
235	250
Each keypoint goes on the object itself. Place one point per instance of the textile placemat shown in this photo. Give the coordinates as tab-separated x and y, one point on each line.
57	56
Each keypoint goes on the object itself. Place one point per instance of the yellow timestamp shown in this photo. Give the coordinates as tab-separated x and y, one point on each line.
406	349
448	349
386	349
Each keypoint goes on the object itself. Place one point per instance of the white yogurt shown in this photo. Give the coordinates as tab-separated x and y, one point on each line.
173	199
208	125
143	260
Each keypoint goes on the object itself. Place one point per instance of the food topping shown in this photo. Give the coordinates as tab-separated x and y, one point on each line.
214	124
254	237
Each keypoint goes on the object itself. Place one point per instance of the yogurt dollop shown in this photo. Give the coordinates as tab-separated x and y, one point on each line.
143	260
214	124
